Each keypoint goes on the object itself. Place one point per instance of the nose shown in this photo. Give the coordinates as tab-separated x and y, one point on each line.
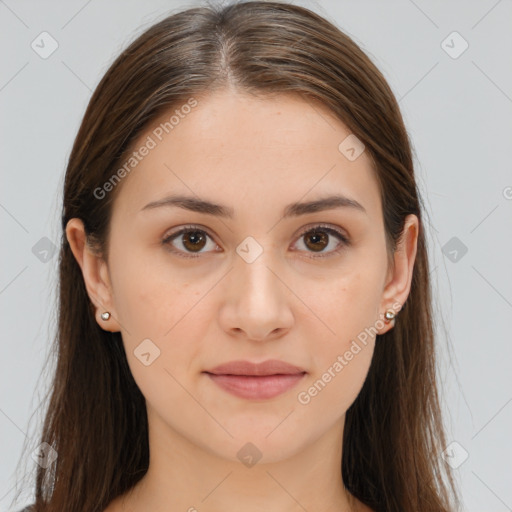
258	303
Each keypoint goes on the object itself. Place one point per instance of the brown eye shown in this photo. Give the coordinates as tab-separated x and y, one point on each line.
194	240
188	241
319	238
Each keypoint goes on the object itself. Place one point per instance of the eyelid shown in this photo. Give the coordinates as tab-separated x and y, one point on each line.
317	226
338	232
332	231
182	230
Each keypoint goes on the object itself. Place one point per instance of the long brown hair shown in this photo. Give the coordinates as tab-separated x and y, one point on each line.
96	416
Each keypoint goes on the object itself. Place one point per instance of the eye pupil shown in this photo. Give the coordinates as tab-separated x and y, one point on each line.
195	238
318	237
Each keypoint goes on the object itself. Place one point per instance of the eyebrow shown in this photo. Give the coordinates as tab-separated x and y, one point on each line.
292	210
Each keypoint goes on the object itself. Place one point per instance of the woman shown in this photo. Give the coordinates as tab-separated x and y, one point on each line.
245	306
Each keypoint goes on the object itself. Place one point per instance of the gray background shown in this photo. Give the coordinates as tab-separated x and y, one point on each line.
458	110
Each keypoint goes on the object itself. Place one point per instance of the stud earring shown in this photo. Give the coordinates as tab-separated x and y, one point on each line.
105	316
389	316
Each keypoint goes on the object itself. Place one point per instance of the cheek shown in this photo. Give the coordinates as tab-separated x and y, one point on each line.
329	393
149	298
156	304
341	356
347	306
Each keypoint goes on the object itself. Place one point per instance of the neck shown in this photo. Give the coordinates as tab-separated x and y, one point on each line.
184	476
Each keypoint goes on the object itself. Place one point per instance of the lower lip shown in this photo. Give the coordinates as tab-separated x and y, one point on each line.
256	387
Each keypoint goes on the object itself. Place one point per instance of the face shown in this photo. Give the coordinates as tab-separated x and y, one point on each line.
264	280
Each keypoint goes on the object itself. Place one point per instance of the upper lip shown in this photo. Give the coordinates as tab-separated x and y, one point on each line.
269	367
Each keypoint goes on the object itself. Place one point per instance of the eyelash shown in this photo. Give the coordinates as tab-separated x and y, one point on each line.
345	242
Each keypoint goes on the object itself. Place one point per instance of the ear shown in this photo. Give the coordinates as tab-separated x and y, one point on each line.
399	278
95	274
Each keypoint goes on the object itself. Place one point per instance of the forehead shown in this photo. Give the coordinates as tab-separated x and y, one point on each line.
239	150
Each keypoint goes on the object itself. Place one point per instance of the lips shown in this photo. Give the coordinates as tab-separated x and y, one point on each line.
269	367
257	381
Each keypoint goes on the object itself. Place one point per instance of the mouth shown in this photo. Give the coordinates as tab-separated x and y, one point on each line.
256	381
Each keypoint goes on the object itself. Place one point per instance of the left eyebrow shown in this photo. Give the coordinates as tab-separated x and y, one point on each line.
292	210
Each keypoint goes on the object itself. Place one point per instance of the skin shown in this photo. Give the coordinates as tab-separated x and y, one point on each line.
255	156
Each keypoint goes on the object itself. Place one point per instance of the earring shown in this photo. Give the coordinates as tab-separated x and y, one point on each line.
105	316
389	316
